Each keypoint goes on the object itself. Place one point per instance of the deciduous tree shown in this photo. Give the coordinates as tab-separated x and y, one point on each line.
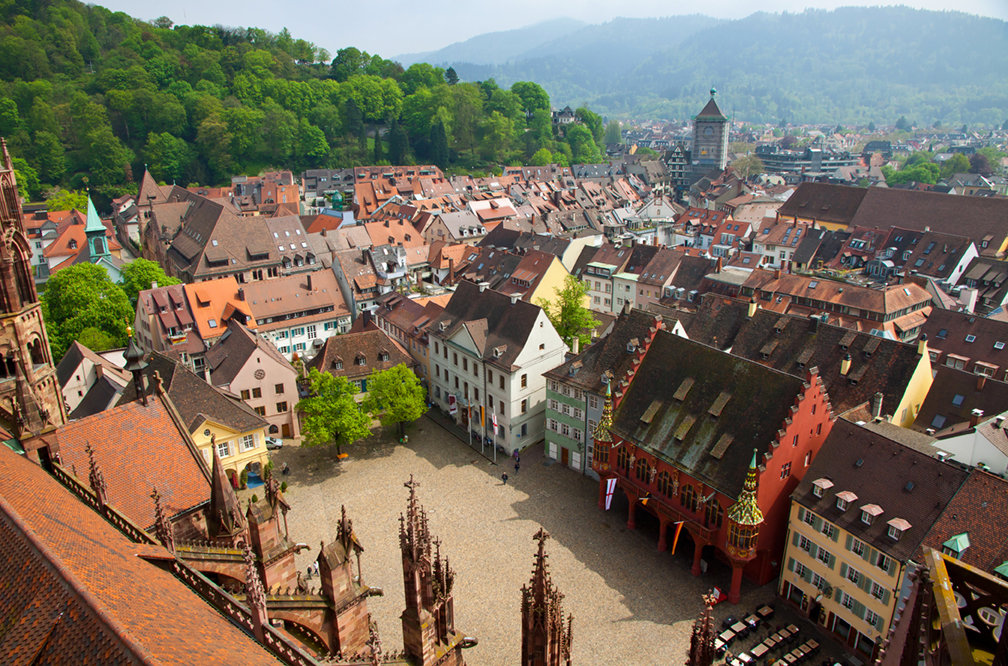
568	312
332	416
83	296
67	200
395	397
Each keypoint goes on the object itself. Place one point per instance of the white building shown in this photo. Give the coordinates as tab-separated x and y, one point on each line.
490	351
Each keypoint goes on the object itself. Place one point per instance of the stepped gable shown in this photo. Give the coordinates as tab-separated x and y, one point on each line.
79	591
139	447
608	354
794	344
666	409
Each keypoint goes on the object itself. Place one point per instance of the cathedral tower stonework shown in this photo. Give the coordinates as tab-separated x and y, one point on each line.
30	400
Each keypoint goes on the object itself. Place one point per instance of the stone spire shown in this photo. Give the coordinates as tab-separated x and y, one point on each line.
162	528
546	639
255	595
346	538
224	519
746	511
95	478
701	652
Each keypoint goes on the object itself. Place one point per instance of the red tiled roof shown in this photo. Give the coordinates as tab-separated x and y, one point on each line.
147	451
76	590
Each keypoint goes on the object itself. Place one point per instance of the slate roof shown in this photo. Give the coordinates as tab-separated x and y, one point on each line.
233	350
836	204
347	348
953	386
138	448
978	510
508	324
279	299
879	471
194	399
78	591
99	397
794	344
76	354
761	399
607	354
949	332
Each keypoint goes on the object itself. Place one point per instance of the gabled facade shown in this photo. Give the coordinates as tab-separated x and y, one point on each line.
356	355
489	352
715	442
856	521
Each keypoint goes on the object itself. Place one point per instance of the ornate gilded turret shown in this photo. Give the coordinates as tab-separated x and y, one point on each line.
744	520
601	435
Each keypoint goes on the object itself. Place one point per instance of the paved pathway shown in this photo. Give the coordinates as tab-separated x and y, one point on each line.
631	604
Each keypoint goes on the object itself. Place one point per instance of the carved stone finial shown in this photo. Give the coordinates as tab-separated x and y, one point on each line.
96	478
162	527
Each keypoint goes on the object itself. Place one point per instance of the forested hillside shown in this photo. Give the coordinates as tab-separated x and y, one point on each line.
851	65
89	97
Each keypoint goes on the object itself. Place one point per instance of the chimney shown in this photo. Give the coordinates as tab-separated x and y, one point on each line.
813	323
845	365
967	298
576	345
324	232
309	283
975	417
153	285
483	286
999	421
719	265
366	316
451	271
241	293
981	382
363	255
515	298
752	308
776	273
877	406
922	347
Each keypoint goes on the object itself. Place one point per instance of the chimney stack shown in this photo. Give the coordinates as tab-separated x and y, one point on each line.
845	365
241	293
719	265
309	283
922	347
813	323
576	345
753	306
975	416
981	382
776	273
877	406
99	371
451	271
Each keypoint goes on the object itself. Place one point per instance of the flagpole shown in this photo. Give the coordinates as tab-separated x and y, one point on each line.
483	426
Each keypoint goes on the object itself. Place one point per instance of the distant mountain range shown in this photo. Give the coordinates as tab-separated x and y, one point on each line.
849	65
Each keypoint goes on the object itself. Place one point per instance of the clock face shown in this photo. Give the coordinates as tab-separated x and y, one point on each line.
708	131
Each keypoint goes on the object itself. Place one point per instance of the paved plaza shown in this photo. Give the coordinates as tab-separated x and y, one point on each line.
631	604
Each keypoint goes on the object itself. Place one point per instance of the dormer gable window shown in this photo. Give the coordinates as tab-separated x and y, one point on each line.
820	486
869	512
360	360
844	499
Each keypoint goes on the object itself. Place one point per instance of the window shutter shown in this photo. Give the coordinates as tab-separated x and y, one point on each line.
892	567
790	564
871	555
813	551
843	570
832	561
850	542
859	609
885	598
865	583
794	538
808	575
836	535
818	523
801	513
879	621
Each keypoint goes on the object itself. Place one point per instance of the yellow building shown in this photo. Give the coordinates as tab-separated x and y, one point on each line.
211	415
857	519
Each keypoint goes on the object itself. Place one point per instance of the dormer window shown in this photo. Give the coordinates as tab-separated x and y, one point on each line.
955	546
844	499
820	486
841	504
869	512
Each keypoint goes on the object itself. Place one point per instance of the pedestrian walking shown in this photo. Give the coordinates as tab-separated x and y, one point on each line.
284	469
504	478
516	467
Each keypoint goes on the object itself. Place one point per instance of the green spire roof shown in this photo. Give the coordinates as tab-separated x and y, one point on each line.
94	222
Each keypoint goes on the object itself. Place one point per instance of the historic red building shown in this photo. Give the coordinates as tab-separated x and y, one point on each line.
691	428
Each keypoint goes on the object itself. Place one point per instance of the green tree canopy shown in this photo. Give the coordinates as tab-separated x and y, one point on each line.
332	416
67	200
532	96
748	166
395	397
140	275
612	132
958	163
569	313
83	296
451	77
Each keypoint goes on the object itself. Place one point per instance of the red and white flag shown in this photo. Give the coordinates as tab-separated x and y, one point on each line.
610	487
494	414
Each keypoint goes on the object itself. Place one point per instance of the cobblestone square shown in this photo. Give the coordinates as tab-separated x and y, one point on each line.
631	604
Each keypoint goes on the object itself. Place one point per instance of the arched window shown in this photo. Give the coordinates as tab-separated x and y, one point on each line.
688	498
36	353
665	485
713	514
623	459
643	470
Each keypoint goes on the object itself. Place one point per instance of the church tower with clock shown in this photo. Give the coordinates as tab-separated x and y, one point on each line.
710	138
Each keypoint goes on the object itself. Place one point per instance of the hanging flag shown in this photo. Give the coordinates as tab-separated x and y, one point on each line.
482	417
494	415
644	500
675	539
610	488
452	404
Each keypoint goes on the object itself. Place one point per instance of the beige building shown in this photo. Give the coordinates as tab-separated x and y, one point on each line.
250	367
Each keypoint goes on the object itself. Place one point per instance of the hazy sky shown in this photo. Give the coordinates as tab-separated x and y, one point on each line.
393	27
